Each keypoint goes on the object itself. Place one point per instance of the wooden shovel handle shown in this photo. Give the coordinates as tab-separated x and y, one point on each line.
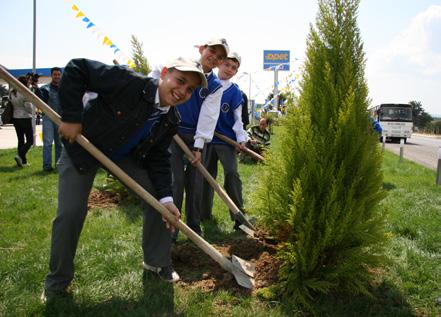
121	175
222	194
236	144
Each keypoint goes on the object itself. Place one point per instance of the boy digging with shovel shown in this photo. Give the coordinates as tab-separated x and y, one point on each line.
132	121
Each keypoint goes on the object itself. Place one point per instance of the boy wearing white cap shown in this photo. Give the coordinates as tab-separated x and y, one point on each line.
229	124
132	121
198	120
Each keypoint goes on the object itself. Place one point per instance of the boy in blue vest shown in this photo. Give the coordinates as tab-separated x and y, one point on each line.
229	124
132	121
198	120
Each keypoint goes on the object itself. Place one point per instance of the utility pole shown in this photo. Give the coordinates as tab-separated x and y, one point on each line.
34	68
276	88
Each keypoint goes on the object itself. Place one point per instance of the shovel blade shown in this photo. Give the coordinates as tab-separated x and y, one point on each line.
242	279
243	272
244	220
246	267
247	230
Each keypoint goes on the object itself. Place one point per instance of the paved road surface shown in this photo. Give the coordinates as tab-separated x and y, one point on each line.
8	138
420	149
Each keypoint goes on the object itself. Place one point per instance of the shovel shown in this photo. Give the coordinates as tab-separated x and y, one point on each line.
235	144
242	270
246	225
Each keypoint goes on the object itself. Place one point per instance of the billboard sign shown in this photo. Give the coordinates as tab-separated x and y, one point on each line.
272	59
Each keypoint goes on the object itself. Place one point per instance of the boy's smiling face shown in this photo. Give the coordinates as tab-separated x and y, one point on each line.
228	68
176	87
211	57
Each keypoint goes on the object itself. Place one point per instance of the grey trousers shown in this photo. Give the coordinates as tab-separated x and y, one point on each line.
73	194
186	176
232	183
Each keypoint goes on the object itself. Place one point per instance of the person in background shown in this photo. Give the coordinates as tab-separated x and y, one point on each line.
258	139
49	94
22	119
245	114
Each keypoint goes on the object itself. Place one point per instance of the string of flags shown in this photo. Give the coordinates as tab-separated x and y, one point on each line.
102	37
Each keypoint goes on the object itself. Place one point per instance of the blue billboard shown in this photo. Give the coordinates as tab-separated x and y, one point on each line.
279	59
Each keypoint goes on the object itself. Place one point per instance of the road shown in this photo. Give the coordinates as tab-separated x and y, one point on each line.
8	138
420	149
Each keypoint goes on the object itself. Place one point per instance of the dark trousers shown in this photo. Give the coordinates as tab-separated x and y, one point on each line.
186	177
73	193
232	183
25	136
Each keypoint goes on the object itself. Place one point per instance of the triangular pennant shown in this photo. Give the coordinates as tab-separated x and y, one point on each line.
112	46
75	8
105	40
90	25
86	19
79	14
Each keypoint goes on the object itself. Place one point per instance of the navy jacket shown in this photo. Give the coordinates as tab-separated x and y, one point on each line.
125	101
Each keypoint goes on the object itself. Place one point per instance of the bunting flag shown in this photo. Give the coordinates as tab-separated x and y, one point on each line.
104	39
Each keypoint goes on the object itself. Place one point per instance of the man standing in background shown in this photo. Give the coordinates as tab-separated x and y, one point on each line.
49	94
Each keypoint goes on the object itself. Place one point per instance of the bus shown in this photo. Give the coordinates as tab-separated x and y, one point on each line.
395	120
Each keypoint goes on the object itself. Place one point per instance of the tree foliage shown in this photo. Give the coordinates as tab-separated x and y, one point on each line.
421	118
141	64
321	187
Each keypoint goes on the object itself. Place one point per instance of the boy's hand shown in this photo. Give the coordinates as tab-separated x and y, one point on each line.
241	147
70	131
175	211
197	157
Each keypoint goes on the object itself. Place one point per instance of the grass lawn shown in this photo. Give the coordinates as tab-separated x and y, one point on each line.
108	278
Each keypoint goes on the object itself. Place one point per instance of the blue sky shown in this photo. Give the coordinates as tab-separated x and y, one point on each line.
401	38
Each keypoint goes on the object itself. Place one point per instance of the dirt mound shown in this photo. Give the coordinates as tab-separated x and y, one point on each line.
103	199
198	270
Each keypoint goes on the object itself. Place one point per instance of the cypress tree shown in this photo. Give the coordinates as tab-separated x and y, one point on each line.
321	187
141	64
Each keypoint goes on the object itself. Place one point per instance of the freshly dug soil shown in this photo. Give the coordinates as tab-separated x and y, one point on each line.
103	199
197	269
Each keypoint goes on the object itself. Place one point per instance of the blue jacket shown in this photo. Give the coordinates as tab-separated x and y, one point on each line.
125	102
49	94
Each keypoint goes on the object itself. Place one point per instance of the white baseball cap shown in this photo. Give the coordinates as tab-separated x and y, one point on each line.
188	65
221	42
234	55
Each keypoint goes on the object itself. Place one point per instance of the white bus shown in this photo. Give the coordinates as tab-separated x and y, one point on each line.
395	120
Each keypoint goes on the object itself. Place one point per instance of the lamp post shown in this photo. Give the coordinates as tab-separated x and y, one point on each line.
34	68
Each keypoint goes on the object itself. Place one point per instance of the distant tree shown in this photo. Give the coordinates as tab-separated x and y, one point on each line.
421	118
433	127
141	64
320	189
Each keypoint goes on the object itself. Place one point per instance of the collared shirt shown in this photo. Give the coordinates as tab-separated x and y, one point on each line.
208	114
142	134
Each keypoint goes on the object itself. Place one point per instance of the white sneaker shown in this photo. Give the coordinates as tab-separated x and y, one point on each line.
166	273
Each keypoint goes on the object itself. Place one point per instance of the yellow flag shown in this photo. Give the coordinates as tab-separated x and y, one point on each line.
80	14
105	40
75	8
